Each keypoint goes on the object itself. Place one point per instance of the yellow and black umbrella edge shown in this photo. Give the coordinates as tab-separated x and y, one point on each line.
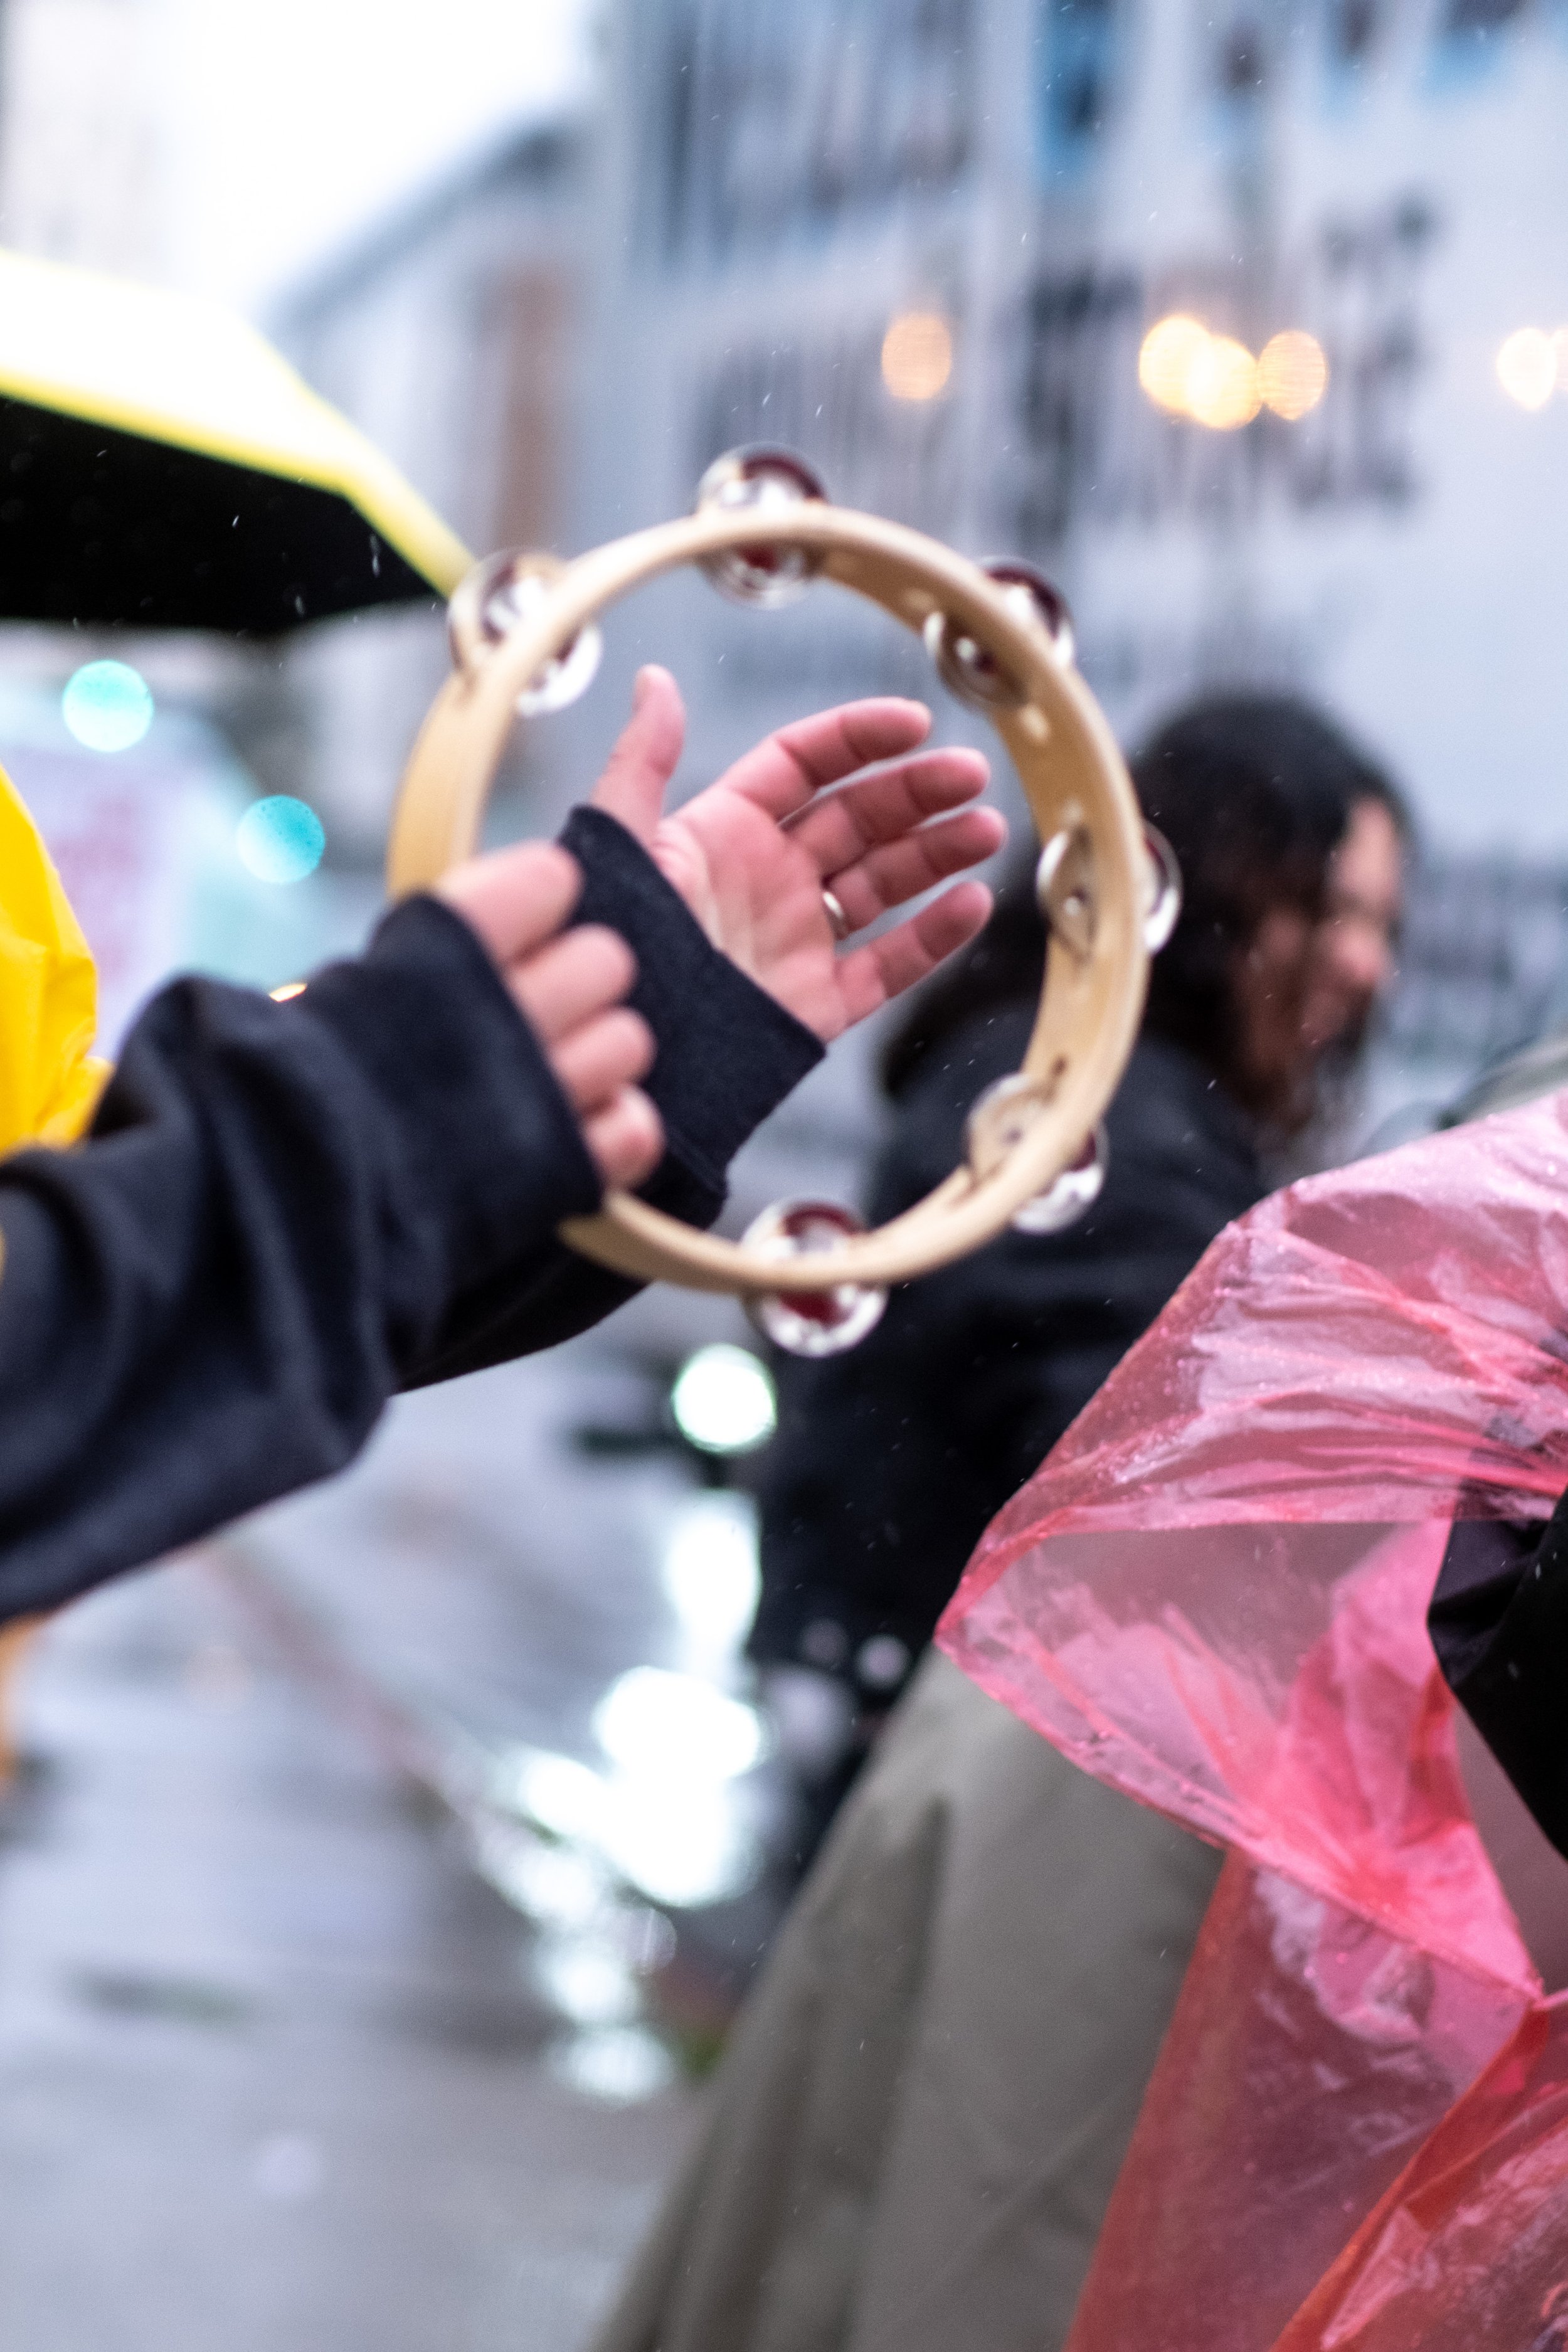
162	467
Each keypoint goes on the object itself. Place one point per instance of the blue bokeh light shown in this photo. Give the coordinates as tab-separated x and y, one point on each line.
280	839
106	706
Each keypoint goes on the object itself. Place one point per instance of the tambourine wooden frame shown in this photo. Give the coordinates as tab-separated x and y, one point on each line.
1073	778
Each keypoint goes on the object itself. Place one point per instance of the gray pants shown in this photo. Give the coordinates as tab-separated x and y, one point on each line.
921	2114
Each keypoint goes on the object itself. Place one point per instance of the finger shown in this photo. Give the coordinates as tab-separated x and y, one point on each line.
783	772
561	986
515	898
900	870
884	968
839	828
626	1140
595	1062
638	770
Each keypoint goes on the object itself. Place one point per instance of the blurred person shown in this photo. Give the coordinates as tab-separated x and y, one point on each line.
283	1212
921	2115
891	1461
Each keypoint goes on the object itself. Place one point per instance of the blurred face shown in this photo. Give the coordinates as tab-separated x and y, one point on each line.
1353	958
1306	985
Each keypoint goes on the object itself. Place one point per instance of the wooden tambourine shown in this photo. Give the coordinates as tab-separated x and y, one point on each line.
523	638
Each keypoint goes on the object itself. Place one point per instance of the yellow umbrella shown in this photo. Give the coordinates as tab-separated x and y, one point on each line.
161	466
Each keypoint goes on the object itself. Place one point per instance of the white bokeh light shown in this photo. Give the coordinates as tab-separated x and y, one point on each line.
619	2066
677	1838
711	1573
723	1400
672	1825
586	1980
563	1796
672	1726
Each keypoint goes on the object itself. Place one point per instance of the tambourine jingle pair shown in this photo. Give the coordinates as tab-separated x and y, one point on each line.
525	640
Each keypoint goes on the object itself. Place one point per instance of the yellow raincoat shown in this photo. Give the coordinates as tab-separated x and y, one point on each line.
49	1079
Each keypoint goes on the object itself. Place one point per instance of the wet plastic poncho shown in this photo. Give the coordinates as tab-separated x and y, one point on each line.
49	1079
1213	1596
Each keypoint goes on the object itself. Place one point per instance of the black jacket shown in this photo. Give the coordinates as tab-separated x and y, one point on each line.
1499	1623
284	1212
892	1460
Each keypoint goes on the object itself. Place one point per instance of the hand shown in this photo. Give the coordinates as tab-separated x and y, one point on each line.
751	854
570	991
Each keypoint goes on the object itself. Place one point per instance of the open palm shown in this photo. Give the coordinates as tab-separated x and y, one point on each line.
752	856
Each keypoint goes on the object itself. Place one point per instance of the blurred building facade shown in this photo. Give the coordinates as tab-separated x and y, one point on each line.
923	242
455	334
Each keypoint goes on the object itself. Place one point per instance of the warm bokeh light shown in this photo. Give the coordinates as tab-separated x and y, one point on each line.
1293	374
1169	353
1527	367
1214	380
917	355
1221	388
287	992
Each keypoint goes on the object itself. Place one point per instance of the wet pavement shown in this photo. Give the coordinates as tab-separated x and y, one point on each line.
276	2069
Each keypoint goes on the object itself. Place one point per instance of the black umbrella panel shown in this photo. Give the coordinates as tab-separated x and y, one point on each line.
162	467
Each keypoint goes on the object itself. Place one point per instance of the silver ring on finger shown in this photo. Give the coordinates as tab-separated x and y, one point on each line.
839	922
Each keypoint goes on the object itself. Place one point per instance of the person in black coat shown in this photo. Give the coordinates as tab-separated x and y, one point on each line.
892	1460
284	1212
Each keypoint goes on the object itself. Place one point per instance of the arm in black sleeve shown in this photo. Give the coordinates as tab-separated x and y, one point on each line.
727	1055
1499	1623
287	1211
209	1302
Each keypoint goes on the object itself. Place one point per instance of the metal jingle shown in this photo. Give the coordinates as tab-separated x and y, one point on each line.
516	597
1074	1191
1164	906
811	1322
1064	889
1035	600
969	669
767	480
1001	1118
505	593
966	668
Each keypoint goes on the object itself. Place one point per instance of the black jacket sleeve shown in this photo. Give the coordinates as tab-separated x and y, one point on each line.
209	1302
286	1212
1499	1623
728	1054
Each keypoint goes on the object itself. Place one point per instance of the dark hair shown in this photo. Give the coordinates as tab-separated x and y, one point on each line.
1253	793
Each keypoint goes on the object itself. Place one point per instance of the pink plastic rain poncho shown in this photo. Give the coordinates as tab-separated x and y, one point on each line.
1213	1596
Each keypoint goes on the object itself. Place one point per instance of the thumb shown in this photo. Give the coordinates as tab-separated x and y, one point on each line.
642	763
